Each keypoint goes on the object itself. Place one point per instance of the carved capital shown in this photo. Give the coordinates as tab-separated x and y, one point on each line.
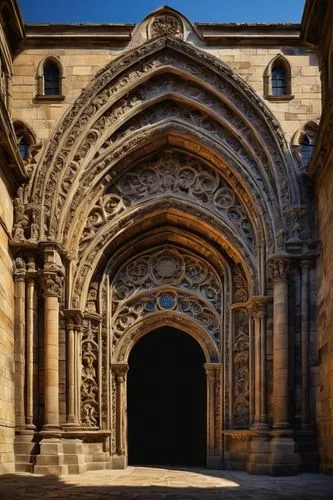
212	369
259	310
52	284
120	370
74	318
19	269
279	268
306	264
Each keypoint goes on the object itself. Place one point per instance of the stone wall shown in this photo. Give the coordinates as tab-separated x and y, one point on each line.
325	325
7	402
80	65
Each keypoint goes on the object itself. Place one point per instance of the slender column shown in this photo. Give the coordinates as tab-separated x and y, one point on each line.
263	410
305	266
31	276
284	459
20	298
120	371
73	321
257	371
52	283
214	442
252	366
279	270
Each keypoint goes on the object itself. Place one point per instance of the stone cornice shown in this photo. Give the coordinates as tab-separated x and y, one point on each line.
104	35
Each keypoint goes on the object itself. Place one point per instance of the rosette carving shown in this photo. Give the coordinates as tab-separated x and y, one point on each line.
167	266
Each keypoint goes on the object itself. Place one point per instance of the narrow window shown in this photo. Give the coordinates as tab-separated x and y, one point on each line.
51	79
306	149
279	80
24	146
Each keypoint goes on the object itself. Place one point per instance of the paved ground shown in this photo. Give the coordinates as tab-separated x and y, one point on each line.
166	483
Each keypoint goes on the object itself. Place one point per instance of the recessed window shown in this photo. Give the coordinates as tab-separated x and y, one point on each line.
25	139
304	142
24	146
306	149
277	80
51	79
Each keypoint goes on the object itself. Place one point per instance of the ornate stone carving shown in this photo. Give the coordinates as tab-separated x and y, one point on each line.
240	287
167	266
241	369
166	300
91	305
90	370
52	284
182	176
19	269
279	268
165	24
250	107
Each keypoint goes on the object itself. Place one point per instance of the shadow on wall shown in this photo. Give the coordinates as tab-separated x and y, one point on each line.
167	483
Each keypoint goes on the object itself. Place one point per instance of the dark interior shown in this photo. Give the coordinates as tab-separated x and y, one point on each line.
167	400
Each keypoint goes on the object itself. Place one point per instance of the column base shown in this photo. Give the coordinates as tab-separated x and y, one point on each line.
25	449
51	458
259	454
74	456
119	461
284	459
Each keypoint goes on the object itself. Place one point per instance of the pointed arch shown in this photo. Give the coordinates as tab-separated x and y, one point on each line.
278	79
304	140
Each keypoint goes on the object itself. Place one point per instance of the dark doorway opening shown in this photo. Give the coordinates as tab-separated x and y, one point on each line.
167	400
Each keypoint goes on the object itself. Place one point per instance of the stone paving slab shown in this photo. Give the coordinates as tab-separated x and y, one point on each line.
166	483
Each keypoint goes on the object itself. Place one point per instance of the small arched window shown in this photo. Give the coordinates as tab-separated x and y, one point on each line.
25	139
304	142
277	80
49	80
24	146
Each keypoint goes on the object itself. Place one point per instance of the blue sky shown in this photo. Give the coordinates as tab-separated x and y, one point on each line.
132	11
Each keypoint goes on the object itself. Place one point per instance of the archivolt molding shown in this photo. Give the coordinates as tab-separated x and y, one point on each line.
76	124
260	214
176	175
173	319
155	213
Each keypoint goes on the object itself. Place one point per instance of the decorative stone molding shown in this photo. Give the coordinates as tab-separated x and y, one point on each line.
90	348
167	266
279	268
19	269
241	369
59	160
52	284
165	24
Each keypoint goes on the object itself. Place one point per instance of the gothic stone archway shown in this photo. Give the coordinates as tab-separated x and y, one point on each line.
166	153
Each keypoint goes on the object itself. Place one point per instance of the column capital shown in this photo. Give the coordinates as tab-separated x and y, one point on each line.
19	269
306	263
120	370
211	368
52	284
73	317
31	269
279	268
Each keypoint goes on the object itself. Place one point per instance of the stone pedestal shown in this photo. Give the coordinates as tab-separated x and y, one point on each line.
119	461
51	458
25	448
74	457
